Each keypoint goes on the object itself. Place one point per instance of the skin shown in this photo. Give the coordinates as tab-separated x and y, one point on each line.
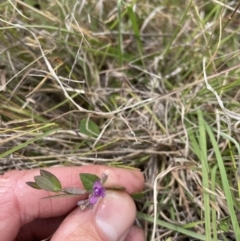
24	215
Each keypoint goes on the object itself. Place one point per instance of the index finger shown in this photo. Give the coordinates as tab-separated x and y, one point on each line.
20	204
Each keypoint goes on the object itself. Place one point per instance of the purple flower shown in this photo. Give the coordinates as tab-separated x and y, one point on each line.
98	191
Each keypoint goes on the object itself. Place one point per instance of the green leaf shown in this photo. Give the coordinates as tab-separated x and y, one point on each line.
89	128
88	180
33	185
224	226
45	184
53	179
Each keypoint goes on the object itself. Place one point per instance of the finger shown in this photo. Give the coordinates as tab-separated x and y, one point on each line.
109	220
43	228
39	229
135	234
21	204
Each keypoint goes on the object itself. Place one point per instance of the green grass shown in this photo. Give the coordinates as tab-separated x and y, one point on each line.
123	83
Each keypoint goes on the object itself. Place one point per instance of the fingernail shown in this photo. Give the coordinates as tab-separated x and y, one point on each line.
115	215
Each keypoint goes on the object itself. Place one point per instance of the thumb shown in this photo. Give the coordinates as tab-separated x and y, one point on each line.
109	220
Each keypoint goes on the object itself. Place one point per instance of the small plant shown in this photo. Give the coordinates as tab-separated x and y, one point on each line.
94	187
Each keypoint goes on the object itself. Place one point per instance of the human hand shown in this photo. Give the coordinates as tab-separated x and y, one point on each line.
24	215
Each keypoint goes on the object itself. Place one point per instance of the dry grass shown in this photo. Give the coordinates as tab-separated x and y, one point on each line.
132	72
